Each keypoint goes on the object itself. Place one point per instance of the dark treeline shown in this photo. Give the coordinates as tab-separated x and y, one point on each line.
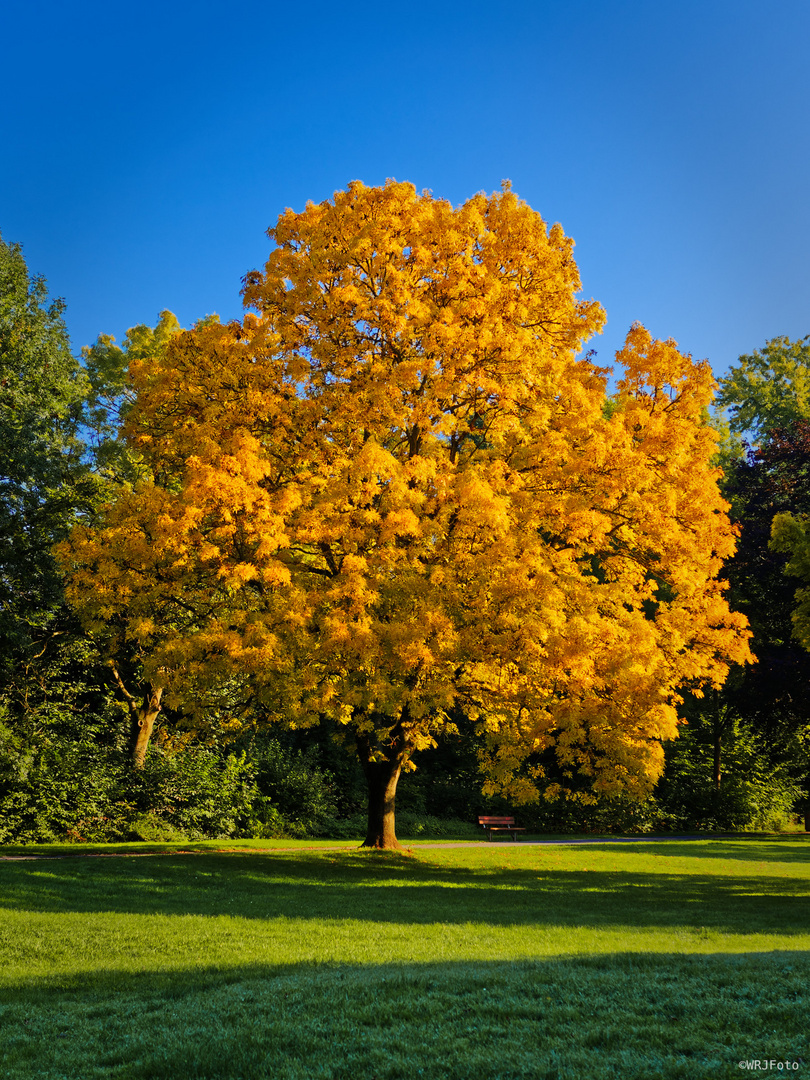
71	718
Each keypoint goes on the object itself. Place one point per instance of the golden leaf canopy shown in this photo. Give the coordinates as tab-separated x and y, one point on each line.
397	489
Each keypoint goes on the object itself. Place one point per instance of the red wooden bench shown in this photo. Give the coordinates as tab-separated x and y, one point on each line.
492	824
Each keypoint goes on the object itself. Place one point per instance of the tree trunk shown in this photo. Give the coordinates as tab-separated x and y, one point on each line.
717	734
141	717
382	776
716	774
142	722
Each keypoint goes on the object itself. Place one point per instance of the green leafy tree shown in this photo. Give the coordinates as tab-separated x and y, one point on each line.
790	534
44	483
765	397
768	389
49	707
769	700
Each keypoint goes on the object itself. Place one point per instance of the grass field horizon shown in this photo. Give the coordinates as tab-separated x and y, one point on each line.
644	959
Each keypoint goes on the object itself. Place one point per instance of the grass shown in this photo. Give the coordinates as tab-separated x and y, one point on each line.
643	960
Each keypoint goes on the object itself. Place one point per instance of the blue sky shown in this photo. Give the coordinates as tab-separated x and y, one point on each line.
146	148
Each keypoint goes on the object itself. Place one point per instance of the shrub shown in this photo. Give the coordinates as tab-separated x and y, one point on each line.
757	793
299	797
192	794
56	790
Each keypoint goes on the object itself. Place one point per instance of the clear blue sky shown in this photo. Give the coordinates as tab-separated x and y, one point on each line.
145	148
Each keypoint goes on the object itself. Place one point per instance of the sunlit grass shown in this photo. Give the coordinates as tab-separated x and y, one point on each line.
672	960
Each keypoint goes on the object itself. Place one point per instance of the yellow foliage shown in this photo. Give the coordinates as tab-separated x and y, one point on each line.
395	491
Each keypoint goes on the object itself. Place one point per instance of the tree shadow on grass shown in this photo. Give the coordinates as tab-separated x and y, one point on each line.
634	1015
757	850
408	891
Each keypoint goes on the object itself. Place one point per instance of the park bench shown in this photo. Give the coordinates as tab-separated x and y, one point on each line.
499	824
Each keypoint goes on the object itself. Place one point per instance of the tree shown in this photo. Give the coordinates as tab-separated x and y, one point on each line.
770	698
109	397
770	389
109	393
768	396
46	704
395	492
771	485
43	481
791	536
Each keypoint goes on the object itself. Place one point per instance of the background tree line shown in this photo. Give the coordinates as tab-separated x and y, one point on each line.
76	708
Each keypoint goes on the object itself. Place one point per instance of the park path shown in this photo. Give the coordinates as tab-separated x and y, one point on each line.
418	844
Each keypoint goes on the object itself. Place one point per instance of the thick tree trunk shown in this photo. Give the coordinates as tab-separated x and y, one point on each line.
382	776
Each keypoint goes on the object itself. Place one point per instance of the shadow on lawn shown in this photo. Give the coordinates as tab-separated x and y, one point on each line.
767	850
633	1015
410	891
462	975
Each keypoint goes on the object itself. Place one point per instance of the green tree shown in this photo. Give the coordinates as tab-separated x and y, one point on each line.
768	389
44	483
790	534
766	398
769	700
48	705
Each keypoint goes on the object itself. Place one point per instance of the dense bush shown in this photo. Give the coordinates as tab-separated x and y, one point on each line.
46	794
56	778
193	794
605	816
762	801
77	787
300	796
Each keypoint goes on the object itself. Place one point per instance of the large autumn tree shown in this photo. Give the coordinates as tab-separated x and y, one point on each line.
396	490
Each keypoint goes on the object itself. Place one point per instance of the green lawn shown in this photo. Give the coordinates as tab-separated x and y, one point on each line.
641	960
